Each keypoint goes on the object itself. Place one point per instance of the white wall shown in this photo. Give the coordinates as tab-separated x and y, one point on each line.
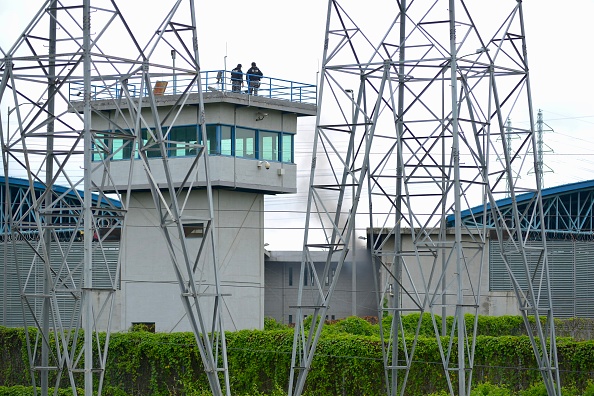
417	277
150	291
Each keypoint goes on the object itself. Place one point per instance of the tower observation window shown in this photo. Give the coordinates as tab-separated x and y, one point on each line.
245	142
183	141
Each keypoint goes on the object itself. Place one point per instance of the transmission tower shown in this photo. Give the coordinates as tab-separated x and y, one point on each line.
541	147
426	141
54	80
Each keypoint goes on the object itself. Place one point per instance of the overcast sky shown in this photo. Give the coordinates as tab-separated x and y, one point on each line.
285	39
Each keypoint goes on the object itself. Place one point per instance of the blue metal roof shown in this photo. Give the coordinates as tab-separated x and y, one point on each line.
24	183
574	200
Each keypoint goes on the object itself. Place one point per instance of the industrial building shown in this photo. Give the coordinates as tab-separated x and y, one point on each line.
355	294
569	228
265	283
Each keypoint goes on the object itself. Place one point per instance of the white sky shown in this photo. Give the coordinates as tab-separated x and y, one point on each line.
285	39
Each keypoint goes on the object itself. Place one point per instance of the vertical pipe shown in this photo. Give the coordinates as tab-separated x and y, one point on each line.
5	221
47	279
173	56
457	202
443	227
217	315
353	214
86	309
397	260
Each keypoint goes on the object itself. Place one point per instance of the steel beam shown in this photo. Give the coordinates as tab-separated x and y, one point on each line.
72	199
434	89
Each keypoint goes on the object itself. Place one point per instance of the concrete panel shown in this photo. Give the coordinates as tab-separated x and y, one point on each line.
147	269
282	278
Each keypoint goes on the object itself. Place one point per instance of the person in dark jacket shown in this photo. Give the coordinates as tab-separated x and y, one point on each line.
236	79
253	76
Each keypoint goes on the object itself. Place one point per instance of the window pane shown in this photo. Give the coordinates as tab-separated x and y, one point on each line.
100	148
122	149
268	146
195	230
245	140
183	140
226	140
151	147
287	154
212	141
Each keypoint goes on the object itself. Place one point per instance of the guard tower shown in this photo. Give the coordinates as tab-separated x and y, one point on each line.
251	147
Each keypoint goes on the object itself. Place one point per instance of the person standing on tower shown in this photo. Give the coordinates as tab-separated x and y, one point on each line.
236	78
253	76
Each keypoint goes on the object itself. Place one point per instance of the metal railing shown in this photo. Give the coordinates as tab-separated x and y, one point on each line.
212	81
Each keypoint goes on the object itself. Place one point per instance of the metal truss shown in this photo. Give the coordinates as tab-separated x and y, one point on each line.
412	115
51	80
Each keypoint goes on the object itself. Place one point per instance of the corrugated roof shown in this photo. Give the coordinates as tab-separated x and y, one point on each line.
547	192
24	183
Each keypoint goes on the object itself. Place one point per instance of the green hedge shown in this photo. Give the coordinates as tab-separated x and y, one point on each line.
347	361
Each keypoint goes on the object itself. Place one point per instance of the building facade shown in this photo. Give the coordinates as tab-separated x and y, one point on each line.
250	142
354	295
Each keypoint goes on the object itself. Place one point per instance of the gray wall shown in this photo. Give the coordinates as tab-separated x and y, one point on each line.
281	296
150	291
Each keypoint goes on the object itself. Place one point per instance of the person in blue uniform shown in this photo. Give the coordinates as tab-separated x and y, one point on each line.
236	78
253	76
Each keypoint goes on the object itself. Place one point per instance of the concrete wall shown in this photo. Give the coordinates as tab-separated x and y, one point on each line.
281	295
229	172
242	173
417	277
150	291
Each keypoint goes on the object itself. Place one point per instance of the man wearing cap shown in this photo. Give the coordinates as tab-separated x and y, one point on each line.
236	78
253	76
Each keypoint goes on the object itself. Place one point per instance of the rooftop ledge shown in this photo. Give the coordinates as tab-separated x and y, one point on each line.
276	94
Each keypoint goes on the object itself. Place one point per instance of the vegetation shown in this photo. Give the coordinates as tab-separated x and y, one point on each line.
348	361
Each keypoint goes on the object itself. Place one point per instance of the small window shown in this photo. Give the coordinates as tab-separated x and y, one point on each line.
268	145
226	140
245	143
150	145
290	319
100	148
183	141
143	326
287	148
308	277
212	141
330	276
290	276
194	230
122	149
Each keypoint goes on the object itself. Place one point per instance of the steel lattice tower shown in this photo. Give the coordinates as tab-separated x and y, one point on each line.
413	118
51	79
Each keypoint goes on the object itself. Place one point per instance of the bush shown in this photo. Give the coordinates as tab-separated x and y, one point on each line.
348	360
488	389
353	325
272	324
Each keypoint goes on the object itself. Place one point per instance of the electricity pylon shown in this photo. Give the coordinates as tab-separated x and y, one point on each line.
426	141
52	79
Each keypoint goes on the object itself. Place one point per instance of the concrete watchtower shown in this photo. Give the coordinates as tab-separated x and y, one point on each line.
250	142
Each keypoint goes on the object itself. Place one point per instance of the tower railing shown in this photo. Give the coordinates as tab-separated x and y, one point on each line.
213	80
